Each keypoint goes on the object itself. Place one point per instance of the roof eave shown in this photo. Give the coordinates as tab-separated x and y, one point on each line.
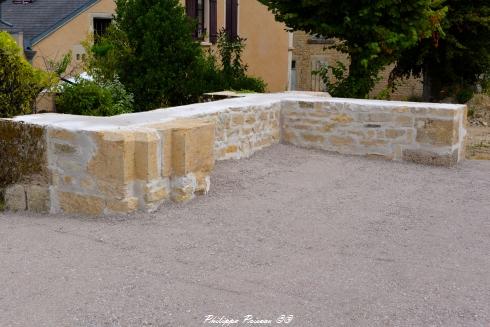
38	38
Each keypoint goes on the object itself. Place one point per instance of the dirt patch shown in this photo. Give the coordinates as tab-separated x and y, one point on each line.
478	140
479	111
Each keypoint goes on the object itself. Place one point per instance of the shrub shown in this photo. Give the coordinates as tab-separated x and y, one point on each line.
151	49
93	98
20	83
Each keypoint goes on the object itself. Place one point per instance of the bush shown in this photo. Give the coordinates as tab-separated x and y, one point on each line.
93	98
20	83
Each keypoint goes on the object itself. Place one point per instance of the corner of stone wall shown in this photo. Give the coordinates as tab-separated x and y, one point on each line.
24	177
439	136
425	134
242	131
124	170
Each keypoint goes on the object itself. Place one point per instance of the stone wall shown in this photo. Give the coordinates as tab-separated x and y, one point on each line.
242	131
423	133
120	164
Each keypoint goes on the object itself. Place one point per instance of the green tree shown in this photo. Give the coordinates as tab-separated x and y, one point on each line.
372	33
20	83
153	52
459	60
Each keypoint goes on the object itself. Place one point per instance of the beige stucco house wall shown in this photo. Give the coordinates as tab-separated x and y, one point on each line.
266	53
267	45
308	55
69	36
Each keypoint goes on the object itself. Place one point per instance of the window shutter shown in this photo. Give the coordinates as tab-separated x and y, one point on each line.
232	18
191	8
213	21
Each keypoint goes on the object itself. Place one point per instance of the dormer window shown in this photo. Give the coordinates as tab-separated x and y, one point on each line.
100	26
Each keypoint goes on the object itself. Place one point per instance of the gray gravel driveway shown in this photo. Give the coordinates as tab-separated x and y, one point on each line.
331	240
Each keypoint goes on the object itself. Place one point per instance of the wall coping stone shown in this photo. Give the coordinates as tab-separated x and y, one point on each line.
89	123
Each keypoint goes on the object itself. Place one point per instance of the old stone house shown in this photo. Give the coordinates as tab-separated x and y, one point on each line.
311	52
48	29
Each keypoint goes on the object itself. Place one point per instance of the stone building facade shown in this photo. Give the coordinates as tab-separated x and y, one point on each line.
310	53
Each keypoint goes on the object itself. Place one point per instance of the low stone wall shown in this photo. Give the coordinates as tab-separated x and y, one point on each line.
242	131
423	133
95	165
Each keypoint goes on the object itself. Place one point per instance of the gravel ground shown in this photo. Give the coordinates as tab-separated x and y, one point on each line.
332	240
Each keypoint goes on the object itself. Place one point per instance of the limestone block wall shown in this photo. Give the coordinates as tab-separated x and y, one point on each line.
115	170
423	133
120	164
242	131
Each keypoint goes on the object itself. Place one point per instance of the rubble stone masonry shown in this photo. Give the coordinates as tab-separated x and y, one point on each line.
121	164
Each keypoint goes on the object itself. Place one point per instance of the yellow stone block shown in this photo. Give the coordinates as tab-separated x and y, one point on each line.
165	132
373	142
79	203
123	206
404	121
146	155
327	127
238	119
287	136
203	183
250	119
313	138
114	159
187	145
341	140
342	118
437	132
193	149
231	149
394	133
156	195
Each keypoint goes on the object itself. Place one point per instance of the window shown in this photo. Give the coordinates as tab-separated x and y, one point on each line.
201	28
100	27
205	13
